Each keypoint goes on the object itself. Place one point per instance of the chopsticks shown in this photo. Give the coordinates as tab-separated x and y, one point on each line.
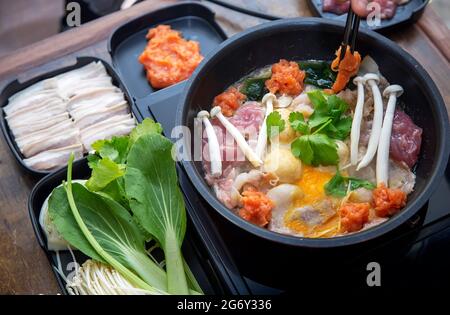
350	33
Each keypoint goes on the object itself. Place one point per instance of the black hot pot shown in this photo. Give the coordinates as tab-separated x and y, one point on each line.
301	39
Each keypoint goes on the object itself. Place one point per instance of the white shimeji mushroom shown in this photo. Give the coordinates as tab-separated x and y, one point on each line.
382	172
268	100
356	124
213	145
283	101
235	133
373	80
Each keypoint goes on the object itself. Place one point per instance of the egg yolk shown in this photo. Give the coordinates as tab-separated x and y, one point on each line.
312	184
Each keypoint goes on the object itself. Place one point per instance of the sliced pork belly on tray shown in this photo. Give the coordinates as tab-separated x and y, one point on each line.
49	118
29	102
52	159
113	126
91	71
102	97
60	127
88	118
47	111
81	87
41	86
24	129
58	141
36	116
37	107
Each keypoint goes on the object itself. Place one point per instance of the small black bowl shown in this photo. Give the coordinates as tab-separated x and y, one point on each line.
313	38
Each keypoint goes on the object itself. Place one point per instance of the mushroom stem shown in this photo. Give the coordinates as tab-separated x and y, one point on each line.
356	124
382	171
261	145
235	133
213	145
372	79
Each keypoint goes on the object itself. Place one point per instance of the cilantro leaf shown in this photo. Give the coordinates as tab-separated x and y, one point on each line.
336	106
326	108
301	148
339	130
275	124
325	150
319	101
339	185
317	120
298	123
316	149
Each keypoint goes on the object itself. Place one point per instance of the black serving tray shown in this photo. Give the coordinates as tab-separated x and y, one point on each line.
16	86
126	43
408	13
193	251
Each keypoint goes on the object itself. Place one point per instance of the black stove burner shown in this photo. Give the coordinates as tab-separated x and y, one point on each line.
415	255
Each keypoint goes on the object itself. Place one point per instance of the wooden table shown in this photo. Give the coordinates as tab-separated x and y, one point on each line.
23	266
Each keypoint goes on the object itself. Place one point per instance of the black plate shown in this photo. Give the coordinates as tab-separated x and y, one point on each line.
405	14
16	86
194	253
127	42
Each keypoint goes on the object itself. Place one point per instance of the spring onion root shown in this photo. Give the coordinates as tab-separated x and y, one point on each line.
236	134
356	124
268	100
382	172
373	79
213	144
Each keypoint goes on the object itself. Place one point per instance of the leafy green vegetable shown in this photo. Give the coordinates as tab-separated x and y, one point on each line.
104	172
146	127
317	144
298	123
329	110
315	149
255	88
115	149
109	161
156	200
275	124
338	186
105	231
318	73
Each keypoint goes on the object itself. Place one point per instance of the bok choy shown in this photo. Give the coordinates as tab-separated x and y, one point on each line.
132	196
102	229
157	202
